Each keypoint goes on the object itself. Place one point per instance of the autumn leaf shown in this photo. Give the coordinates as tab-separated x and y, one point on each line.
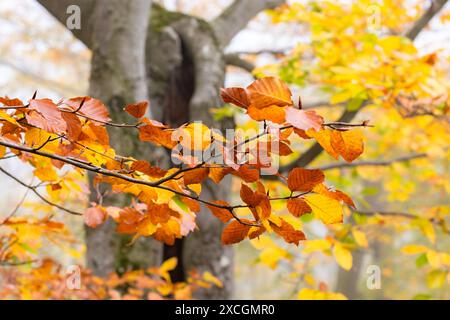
289	234
323	137
236	96
94	216
343	256
156	132
326	209
222	214
271	113
234	232
348	144
298	207
195	175
304	120
137	110
269	91
44	114
304	180
92	108
247	173
148	169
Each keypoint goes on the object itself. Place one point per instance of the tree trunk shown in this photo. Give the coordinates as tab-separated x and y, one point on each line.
117	78
184	82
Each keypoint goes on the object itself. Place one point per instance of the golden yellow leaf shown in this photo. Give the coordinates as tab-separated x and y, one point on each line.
343	256
326	209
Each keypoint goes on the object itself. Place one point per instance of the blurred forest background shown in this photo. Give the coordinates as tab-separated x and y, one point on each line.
402	190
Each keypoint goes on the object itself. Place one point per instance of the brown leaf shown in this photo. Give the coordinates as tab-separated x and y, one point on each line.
269	91
234	232
223	215
44	114
92	108
289	234
298	207
195	176
247	173
156	132
304	180
148	169
236	96
137	110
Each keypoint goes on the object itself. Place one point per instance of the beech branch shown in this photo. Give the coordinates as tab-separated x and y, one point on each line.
373	163
234	18
33	189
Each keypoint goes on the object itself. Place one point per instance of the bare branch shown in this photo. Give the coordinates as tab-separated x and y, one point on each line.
374	163
235	60
58	8
419	25
238	15
33	189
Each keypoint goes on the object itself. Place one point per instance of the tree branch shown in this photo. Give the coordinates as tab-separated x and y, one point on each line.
238	15
235	60
58	8
373	163
419	25
33	189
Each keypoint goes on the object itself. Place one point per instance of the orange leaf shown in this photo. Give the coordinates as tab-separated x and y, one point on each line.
298	207
157	133
289	234
323	137
249	197
146	168
248	174
236	96
195	175
271	113
269	91
304	180
349	144
137	110
92	108
217	174
223	215
44	114
304	120
94	216
234	232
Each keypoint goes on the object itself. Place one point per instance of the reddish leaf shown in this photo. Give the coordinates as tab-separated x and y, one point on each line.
44	114
157	133
289	234
269	91
304	180
195	175
146	168
298	207
223	215
236	96
247	173
137	110
304	119
249	197
92	108
234	232
94	216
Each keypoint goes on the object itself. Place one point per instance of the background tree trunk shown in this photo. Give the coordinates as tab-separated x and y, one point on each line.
118	78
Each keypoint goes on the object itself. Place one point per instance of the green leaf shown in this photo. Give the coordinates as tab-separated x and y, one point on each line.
421	260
